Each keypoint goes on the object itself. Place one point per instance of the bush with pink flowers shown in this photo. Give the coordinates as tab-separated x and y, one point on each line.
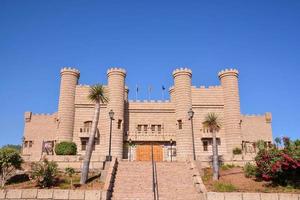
280	165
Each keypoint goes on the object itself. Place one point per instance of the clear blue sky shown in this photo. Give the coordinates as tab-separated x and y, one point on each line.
149	38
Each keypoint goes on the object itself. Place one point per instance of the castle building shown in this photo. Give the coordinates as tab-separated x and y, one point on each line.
139	125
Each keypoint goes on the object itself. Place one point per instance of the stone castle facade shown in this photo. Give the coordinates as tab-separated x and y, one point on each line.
139	124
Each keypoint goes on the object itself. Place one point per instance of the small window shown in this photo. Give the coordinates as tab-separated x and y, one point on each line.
139	128
26	144
179	124
119	124
30	143
159	128
152	128
205	145
145	128
84	142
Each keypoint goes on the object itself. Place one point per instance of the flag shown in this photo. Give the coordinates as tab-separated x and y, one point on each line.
163	87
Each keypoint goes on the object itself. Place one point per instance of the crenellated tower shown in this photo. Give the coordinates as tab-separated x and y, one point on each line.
232	113
181	94
66	105
116	94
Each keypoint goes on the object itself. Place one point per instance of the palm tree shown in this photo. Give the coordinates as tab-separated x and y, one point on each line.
212	123
97	94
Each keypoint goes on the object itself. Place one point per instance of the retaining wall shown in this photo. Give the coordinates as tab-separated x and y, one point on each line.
251	196
26	194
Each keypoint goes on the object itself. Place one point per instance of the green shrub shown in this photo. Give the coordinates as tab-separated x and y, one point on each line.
227	166
224	187
10	160
281	166
250	170
66	148
237	151
70	172
44	172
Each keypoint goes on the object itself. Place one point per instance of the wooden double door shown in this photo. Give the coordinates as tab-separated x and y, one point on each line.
143	152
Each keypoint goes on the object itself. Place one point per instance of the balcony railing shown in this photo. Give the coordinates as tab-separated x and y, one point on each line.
85	132
149	135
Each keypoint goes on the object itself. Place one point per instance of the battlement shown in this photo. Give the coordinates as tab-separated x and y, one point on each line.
207	87
117	70
42	114
267	116
83	85
71	70
228	72
182	71
149	101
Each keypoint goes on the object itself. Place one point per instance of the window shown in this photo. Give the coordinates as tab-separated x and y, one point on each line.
205	145
30	144
84	142
179	124
119	124
159	128
87	126
145	128
208	142
26	144
139	128
152	128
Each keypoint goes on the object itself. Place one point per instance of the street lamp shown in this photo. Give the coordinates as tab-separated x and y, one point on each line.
191	115
111	116
171	142
130	142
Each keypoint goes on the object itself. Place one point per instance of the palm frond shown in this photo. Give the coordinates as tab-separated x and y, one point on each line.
97	93
212	122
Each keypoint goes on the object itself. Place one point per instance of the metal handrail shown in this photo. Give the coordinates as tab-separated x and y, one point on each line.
154	176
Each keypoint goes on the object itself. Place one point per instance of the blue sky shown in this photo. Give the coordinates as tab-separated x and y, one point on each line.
150	39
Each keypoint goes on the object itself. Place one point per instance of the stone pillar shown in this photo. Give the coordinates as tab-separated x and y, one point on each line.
183	102
232	113
66	106
116	95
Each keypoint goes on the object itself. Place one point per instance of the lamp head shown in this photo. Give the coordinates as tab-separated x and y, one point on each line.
191	113
111	114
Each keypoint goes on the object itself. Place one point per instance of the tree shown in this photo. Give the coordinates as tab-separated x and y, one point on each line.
10	161
13	146
97	94
277	141
211	122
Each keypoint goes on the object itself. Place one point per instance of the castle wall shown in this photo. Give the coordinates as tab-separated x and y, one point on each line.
150	113
201	133
38	128
256	127
212	95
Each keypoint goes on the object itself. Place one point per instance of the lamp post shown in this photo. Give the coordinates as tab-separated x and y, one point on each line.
191	115
171	142
130	149
111	116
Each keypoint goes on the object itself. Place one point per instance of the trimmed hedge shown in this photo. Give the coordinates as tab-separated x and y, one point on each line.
66	148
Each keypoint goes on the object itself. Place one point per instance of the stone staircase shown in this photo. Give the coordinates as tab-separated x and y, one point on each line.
134	181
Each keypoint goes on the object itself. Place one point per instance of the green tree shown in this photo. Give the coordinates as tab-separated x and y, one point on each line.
97	94
10	161
213	124
277	141
17	147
